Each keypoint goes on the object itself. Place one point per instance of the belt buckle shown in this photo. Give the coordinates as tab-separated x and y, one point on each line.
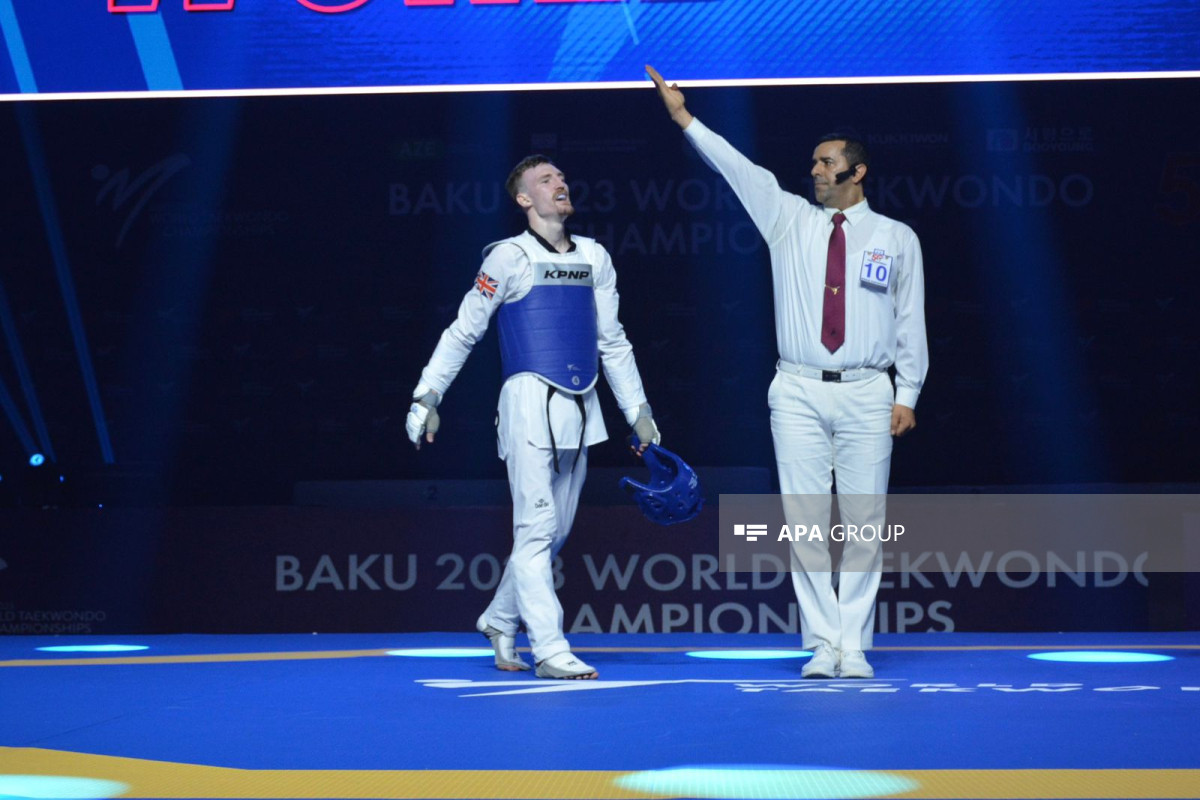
831	376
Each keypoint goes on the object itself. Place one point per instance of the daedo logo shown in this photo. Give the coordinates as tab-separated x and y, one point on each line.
320	6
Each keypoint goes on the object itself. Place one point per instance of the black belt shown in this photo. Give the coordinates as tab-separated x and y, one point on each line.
582	427
828	375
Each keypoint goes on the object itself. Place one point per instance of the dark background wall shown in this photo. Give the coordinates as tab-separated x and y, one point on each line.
259	281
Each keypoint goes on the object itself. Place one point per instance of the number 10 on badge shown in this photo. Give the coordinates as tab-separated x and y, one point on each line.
876	269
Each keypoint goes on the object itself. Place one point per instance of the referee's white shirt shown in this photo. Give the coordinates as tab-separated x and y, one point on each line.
882	327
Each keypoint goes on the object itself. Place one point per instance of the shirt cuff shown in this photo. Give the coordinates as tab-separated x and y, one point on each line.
907	397
695	129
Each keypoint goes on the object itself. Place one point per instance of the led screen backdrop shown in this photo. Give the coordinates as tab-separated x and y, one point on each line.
96	46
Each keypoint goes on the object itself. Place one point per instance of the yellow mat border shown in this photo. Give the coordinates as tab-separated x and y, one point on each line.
163	779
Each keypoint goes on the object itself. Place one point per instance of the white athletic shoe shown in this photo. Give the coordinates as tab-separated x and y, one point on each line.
505	645
823	664
565	666
854	665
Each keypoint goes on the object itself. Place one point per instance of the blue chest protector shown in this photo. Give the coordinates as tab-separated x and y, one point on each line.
552	330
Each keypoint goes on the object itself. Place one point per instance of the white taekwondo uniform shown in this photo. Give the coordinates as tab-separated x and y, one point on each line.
536	426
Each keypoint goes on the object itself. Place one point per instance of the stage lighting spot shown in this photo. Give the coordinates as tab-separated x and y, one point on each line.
93	648
36	460
749	655
1101	657
765	782
443	652
57	786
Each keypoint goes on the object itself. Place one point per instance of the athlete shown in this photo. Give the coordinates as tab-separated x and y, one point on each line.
554	296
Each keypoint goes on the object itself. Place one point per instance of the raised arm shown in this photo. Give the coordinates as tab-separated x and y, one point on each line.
768	205
672	98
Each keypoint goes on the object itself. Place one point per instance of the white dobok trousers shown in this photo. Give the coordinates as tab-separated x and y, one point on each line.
544	505
824	430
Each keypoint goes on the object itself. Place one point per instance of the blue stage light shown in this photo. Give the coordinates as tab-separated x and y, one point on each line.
765	782
93	648
58	786
36	460
749	655
443	652
1100	657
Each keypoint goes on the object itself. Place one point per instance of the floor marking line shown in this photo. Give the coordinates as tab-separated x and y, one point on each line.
298	655
308	655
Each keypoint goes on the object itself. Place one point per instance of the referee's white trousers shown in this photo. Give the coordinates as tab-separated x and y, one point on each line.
822	430
544	504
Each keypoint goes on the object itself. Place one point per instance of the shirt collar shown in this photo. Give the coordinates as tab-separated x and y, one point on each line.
853	214
550	247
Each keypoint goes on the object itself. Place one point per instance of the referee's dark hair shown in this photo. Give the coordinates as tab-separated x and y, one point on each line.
855	149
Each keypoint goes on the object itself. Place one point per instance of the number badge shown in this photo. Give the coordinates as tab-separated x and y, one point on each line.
876	269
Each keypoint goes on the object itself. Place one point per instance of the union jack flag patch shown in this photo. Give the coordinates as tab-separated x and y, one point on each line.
486	284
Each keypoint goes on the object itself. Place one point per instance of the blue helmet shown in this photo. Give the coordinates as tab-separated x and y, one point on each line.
673	492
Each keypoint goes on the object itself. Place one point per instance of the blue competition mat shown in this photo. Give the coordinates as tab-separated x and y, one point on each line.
941	707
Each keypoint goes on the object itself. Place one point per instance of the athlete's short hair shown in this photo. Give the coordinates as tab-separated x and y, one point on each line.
513	184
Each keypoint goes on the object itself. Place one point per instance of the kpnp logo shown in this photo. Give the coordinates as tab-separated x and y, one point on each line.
752	533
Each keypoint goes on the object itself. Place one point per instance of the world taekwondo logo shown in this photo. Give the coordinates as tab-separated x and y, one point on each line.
123	191
751	533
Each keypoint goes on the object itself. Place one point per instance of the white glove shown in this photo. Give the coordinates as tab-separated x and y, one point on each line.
422	417
644	427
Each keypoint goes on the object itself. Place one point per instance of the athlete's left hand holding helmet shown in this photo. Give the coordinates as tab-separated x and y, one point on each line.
644	428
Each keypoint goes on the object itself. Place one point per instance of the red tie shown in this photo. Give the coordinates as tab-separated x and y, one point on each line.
833	315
